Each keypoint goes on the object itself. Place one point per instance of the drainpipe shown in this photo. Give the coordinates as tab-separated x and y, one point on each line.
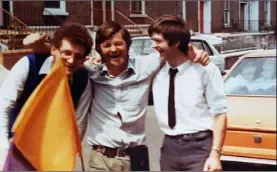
249	17
104	10
201	16
112	9
184	10
91	13
11	7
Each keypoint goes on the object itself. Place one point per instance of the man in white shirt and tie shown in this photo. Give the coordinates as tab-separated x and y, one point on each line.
189	102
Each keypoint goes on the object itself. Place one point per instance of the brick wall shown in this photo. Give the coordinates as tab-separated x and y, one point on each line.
158	8
29	12
192	14
261	10
79	11
217	23
9	58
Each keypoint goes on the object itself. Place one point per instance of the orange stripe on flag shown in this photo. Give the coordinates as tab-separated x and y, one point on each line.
46	129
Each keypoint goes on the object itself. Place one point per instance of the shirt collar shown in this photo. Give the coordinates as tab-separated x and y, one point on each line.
46	66
130	68
181	68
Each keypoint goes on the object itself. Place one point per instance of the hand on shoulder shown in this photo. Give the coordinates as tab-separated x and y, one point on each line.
198	56
38	42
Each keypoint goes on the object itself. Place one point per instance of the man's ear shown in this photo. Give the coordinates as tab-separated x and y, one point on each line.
177	44
54	51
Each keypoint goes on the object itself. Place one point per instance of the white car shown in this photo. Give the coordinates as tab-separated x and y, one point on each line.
142	45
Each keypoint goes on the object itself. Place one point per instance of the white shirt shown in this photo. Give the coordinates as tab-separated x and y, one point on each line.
126	94
13	86
199	95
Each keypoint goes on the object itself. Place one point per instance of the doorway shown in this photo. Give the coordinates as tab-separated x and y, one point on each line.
244	17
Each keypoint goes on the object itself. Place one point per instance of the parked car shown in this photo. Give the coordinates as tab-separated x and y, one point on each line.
250	87
142	45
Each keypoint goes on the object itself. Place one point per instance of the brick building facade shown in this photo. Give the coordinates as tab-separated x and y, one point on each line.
202	16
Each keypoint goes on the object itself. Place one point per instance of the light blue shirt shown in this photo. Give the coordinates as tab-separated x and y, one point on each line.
120	104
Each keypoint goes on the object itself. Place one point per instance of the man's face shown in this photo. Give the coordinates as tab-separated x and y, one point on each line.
161	45
114	50
73	55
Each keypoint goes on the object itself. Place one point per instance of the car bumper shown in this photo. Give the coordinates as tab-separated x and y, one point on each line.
248	160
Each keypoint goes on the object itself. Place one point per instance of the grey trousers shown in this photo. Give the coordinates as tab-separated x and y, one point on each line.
184	155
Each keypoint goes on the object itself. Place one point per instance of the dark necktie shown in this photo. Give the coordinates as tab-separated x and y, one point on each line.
171	99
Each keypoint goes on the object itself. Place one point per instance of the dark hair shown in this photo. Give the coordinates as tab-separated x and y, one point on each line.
173	29
107	30
75	33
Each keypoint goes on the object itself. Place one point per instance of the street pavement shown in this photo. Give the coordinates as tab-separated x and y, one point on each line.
154	138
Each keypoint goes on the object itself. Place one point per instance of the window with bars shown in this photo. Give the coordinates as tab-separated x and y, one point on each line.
52	4
137	7
226	11
54	8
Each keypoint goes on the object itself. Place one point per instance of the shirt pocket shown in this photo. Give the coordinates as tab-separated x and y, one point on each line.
135	95
192	99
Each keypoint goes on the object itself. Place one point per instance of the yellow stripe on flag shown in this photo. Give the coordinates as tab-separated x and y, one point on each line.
46	129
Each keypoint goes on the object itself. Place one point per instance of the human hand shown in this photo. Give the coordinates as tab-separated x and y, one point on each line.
3	155
95	59
213	163
198	56
37	42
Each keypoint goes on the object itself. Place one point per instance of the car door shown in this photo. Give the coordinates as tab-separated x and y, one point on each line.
251	97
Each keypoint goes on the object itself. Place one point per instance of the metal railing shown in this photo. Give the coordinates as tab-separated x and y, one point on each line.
46	22
250	25
132	20
15	28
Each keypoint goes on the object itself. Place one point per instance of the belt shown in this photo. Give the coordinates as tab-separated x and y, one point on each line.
111	152
193	136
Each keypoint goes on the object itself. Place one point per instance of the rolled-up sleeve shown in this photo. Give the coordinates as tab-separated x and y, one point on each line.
94	69
215	93
10	90
83	108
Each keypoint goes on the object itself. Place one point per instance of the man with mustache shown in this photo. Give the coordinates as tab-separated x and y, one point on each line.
72	43
116	131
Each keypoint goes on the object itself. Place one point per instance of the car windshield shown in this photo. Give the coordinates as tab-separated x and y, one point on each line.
148	46
137	45
253	76
142	46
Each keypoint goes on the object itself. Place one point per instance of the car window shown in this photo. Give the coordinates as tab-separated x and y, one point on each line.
137	45
253	76
197	44
148	46
202	45
207	49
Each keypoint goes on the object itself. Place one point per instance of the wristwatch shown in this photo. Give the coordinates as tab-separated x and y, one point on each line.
216	149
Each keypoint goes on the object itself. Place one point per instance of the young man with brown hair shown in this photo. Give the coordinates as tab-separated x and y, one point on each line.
189	101
72	43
